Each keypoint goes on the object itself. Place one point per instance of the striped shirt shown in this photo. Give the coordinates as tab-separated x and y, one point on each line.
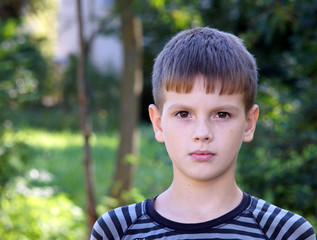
252	219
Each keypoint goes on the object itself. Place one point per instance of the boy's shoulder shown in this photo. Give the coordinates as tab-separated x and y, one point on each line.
114	223
278	223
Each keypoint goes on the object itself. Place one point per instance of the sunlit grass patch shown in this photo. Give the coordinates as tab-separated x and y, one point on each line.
50	140
41	138
60	153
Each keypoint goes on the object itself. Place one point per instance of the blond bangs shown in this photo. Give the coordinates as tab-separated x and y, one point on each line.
185	85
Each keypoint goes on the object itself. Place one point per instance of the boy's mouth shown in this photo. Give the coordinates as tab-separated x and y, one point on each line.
201	155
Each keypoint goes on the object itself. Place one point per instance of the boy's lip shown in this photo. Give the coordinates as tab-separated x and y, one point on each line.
202	155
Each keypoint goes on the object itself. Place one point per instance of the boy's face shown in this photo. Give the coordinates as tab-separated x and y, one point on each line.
203	132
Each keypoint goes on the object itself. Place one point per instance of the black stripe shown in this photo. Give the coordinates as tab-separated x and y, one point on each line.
138	209
293	228
144	220
263	211
250	224
281	224
254	202
271	219
126	214
308	233
238	232
105	229
116	222
151	228
95	234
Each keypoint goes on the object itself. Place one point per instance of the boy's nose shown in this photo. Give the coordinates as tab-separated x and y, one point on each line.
203	132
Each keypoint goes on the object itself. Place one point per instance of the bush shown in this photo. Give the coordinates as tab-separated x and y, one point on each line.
15	158
35	217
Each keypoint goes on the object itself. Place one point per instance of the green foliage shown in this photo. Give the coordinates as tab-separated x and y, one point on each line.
36	217
279	165
28	207
15	159
23	68
22	65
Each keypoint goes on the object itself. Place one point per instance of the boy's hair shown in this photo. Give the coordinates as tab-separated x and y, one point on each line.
219	57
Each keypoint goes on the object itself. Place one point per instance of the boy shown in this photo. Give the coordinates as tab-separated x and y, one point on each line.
204	86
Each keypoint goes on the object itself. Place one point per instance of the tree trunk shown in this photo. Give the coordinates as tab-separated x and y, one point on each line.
84	123
131	88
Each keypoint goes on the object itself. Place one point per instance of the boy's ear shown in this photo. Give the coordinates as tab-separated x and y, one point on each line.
252	118
155	117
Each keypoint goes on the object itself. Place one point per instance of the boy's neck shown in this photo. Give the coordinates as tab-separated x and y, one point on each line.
197	202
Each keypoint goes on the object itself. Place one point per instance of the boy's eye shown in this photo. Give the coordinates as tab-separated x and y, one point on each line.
183	114
223	115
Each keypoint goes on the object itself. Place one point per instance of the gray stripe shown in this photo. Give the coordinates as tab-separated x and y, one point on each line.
110	225
132	211
300	230
286	227
98	229
259	206
243	229
276	222
267	215
121	218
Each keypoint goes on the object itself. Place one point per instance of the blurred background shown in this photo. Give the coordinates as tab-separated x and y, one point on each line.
75	84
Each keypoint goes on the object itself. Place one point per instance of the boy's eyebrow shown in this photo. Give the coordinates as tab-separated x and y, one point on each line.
178	106
228	107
